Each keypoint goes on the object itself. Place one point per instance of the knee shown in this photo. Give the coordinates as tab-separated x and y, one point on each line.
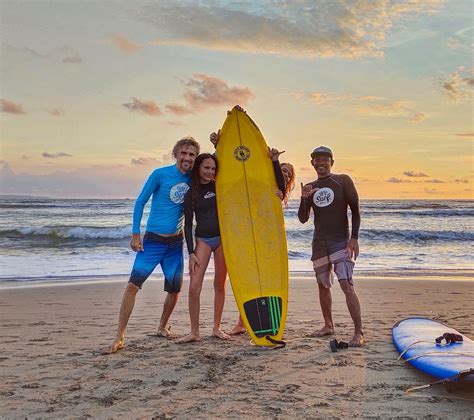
347	287
194	291
132	289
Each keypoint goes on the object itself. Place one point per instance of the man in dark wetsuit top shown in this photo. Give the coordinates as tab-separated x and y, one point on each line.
334	249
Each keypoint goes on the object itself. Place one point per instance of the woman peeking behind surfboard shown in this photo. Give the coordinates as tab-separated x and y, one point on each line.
200	200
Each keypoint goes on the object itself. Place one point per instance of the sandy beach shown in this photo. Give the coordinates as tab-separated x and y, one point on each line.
53	364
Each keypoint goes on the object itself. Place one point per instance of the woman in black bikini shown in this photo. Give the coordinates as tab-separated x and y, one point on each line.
200	200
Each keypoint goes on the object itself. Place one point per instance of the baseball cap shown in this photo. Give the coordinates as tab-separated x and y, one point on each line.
322	150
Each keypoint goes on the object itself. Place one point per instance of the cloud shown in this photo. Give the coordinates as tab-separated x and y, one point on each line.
92	181
70	55
321	97
66	53
394	180
395	109
144	107
203	91
72	59
11	107
25	50
461	181
370	105
470	134
176	123
305	28
178	109
414	174
124	44
434	181
144	161
55	112
55	155
459	84
461	40
25	157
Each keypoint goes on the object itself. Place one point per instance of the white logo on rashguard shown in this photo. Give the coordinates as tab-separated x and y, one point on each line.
178	191
323	197
209	194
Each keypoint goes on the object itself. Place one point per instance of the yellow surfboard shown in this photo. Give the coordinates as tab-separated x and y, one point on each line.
252	228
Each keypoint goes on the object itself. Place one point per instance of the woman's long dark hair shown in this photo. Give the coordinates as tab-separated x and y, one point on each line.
290	185
195	179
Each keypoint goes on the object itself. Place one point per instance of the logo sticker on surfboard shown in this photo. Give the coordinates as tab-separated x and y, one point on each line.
242	153
323	197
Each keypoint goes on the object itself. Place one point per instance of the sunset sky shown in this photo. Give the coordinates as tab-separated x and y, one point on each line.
94	94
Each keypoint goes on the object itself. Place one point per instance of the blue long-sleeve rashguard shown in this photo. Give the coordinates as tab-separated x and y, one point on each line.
168	185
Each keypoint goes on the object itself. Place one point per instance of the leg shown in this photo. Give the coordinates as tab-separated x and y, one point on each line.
203	253
353	305
168	307
325	300
128	301
324	275
219	292
145	263
238	328
172	266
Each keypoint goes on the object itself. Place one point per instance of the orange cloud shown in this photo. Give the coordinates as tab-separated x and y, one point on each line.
203	91
143	106
11	107
56	112
124	44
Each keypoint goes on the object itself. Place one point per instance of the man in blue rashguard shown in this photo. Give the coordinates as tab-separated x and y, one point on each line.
163	240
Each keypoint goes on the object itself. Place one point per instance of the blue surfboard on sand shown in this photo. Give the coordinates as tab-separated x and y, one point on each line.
415	340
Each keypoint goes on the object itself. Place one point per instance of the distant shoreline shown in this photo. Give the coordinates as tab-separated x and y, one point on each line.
383	275
39	197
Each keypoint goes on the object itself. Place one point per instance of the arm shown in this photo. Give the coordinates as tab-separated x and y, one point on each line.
353	200
150	186
305	204
279	176
188	221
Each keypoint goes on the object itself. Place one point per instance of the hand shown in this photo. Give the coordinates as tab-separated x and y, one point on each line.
239	108
352	248
193	261
279	195
274	153
136	243
307	190
214	137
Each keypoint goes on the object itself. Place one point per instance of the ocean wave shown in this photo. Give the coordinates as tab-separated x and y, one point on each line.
426	213
68	232
416	235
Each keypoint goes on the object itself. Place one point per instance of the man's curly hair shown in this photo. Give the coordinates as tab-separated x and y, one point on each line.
186	141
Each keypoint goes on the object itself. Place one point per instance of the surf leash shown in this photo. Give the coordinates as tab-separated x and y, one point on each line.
455	381
279	344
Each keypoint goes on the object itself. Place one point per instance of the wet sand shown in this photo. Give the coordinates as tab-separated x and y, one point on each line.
53	337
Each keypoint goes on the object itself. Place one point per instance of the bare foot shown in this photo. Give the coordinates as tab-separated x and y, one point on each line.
357	340
238	329
220	334
190	338
118	344
164	332
323	332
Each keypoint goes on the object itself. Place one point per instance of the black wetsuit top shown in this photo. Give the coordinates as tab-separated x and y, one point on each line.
329	205
207	221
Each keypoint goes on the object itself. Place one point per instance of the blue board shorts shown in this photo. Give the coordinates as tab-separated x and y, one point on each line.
329	258
162	250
